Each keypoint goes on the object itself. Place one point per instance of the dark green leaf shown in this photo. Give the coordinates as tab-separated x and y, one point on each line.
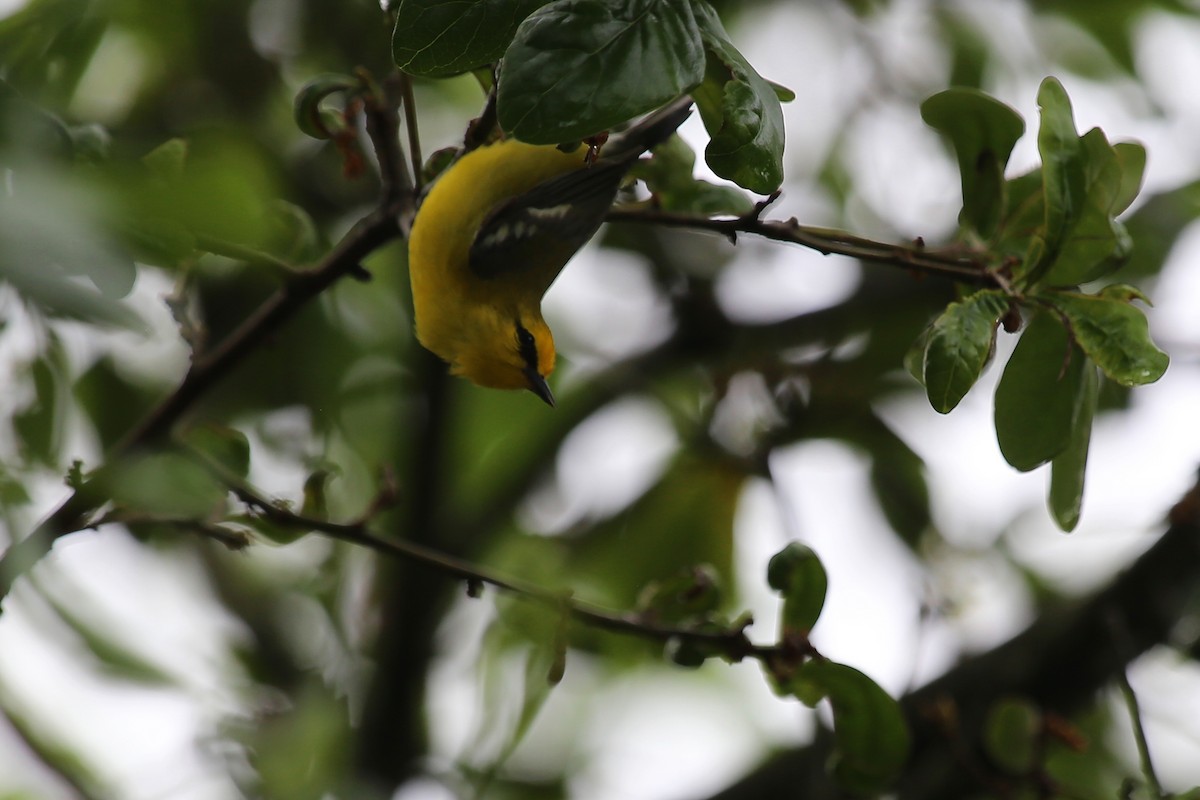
741	112
898	479
959	346
797	573
1036	397
983	131
1012	735
578	67
871	739
1114	333
1068	468
438	38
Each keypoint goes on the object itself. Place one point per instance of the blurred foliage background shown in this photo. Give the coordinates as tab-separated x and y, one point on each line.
155	190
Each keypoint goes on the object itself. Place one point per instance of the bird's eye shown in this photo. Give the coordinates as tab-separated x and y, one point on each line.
527	346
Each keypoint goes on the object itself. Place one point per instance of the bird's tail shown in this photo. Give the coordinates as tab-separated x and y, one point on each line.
650	131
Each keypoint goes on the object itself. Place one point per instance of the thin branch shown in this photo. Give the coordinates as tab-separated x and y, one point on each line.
965	266
392	219
732	642
409	104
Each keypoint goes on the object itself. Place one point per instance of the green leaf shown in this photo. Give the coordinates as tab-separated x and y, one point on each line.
1113	333
578	67
1062	163
1068	468
167	160
1037	395
741	112
1094	243
871	739
226	447
668	176
983	131
169	485
898	479
797	573
310	118
439	38
113	401
1011	735
1086	182
959	345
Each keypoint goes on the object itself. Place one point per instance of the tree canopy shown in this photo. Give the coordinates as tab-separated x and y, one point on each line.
774	541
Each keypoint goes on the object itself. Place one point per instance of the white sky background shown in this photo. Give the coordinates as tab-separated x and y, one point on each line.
683	734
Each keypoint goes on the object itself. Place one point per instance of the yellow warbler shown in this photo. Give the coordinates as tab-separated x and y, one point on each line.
494	232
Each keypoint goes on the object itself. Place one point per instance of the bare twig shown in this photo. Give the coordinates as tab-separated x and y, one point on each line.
956	263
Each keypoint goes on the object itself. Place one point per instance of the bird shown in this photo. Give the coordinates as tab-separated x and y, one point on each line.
495	230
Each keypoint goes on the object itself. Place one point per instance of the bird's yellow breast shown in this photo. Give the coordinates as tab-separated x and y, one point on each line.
456	310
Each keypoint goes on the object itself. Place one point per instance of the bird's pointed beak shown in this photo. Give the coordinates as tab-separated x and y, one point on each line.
538	385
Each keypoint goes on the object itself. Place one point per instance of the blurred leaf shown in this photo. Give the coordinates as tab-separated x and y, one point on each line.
1068	468
113	402
578	67
871	740
741	112
983	131
684	520
438	38
169	485
167	161
1011	735
39	426
118	659
1036	399
51	232
301	754
797	573
898	479
227	447
692	595
1114	333
959	345
310	118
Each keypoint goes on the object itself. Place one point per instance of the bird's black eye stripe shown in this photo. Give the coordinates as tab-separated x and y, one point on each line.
526	346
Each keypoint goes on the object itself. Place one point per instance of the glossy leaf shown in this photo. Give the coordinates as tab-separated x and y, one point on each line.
1036	397
1068	469
983	131
797	573
438	38
741	112
578	67
871	739
959	345
1062	170
1115	334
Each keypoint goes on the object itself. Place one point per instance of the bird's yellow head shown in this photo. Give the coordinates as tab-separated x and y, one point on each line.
501	347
